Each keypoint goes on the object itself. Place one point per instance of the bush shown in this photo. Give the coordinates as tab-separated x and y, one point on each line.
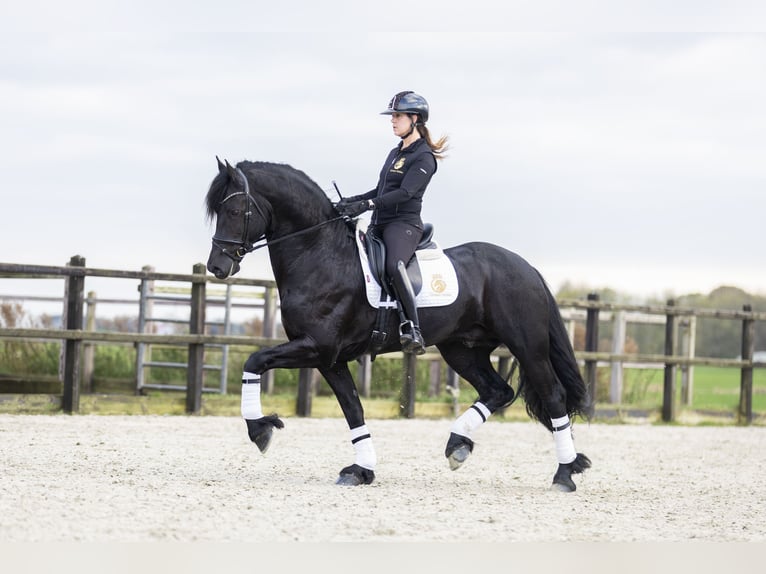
18	357
114	362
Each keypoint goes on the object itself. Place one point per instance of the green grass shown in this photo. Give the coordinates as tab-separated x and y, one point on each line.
713	388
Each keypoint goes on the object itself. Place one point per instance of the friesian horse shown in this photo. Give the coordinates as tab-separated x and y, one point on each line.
502	299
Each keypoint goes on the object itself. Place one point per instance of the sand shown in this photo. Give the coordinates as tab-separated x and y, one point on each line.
185	478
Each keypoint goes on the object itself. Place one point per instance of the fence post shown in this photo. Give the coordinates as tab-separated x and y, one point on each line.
305	392
364	375
269	330
571	326
591	345
88	350
75	287
407	403
669	384
194	371
224	375
745	411
145	312
434	378
618	347
453	388
505	369
504	366
688	341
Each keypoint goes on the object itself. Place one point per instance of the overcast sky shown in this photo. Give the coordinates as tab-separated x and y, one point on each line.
610	144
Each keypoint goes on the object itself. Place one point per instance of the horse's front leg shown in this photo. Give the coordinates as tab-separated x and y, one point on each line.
301	352
342	384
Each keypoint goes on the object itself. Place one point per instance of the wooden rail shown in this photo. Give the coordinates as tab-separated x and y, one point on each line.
73	335
670	359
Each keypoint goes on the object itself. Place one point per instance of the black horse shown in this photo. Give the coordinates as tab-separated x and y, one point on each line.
502	300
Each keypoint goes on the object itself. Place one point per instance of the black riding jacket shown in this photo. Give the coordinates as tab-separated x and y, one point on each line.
402	183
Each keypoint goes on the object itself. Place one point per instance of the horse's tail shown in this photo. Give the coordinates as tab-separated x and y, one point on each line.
578	401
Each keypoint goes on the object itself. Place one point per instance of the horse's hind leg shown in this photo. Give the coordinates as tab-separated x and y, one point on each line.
473	364
552	398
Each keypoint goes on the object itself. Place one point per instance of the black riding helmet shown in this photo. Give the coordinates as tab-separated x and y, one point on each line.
408	103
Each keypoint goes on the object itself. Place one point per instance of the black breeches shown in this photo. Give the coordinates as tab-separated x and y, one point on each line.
401	239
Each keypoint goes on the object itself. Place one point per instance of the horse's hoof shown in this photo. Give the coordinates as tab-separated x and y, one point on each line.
263	440
458	449
355	475
261	431
458	457
348	480
561	487
562	480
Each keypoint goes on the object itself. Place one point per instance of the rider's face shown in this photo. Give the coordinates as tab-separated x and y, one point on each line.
401	123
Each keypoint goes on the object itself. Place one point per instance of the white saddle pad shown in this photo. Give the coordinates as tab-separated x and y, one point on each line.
440	285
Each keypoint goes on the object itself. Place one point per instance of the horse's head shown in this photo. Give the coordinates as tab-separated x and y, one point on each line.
240	220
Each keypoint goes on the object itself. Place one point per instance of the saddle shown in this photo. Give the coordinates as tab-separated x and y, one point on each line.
376	255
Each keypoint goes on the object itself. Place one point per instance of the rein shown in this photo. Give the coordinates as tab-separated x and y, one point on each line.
244	245
293	234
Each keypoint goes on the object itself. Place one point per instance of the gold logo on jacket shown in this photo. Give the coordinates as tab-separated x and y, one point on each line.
399	163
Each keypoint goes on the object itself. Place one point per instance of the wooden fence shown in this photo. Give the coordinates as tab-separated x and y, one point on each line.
73	335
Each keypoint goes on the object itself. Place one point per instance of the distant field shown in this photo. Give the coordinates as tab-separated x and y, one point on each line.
714	388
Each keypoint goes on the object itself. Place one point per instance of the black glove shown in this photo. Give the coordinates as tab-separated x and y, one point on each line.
341	205
352	209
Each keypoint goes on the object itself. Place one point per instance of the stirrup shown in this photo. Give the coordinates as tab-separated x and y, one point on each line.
412	341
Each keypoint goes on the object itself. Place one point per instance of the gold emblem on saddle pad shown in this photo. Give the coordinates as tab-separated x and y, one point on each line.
438	285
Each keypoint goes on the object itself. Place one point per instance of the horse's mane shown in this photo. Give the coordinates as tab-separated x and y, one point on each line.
265	173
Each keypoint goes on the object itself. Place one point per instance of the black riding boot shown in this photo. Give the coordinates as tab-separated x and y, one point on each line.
409	331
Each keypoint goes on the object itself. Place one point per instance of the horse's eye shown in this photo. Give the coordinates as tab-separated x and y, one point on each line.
235	212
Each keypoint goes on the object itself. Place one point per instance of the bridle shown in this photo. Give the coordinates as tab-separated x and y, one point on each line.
243	245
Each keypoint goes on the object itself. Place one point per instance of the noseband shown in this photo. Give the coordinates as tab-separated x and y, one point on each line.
243	245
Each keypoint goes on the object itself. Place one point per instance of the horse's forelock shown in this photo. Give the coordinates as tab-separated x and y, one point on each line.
215	195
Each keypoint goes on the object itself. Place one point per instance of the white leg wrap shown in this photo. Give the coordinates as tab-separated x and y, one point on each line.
562	438
251	396
363	449
470	420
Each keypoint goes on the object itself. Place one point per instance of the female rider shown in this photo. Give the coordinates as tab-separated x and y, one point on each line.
398	198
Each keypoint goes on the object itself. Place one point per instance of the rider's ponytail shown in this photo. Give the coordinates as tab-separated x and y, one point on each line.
439	147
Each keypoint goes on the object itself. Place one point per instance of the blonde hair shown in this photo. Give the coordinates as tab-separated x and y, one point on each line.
438	147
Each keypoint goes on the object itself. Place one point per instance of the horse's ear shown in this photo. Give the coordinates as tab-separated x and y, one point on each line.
232	171
221	167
